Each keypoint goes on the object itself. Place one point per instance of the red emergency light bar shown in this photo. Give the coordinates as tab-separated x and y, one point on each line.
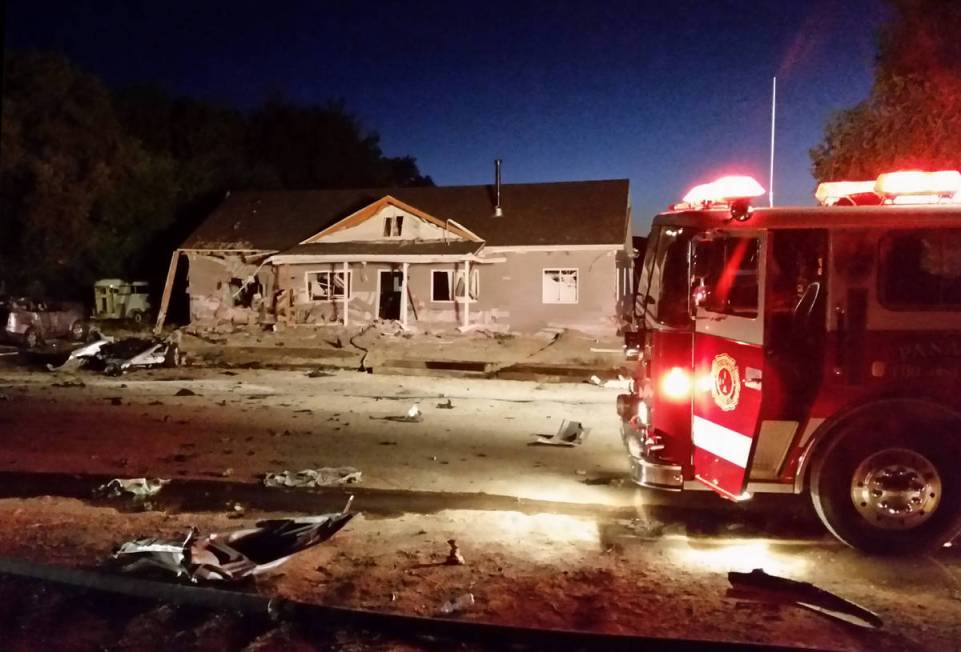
901	187
734	191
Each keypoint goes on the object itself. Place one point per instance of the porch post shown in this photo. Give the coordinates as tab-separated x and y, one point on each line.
465	313
403	296
346	292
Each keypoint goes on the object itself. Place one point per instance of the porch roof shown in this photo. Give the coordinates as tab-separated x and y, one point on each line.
410	248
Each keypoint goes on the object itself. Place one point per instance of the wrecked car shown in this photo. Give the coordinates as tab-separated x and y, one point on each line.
31	321
116	357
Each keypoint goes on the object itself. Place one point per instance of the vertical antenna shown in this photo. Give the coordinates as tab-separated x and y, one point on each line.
770	181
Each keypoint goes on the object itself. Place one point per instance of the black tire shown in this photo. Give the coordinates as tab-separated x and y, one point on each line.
874	445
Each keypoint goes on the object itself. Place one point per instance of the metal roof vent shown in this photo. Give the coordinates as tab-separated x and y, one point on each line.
498	211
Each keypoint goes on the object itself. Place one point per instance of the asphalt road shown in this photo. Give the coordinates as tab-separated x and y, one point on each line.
226	429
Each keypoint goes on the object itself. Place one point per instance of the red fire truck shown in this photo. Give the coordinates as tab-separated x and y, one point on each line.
808	349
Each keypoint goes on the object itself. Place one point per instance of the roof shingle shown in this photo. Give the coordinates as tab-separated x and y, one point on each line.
561	213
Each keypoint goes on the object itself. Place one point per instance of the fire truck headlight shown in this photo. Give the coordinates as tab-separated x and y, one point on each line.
643	414
676	384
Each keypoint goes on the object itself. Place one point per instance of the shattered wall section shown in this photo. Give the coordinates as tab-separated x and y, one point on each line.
220	291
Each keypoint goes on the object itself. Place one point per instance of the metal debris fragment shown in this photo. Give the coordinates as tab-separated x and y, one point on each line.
461	603
758	585
137	487
414	413
446	405
80	356
185	392
328	476
570	433
232	556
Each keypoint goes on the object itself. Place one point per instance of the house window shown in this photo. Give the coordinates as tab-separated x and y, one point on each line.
393	226
327	286
559	285
440	285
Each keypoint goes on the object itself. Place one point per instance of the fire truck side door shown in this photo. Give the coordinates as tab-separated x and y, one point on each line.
728	357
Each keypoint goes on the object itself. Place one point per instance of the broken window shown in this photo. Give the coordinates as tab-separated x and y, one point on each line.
327	286
440	285
474	285
559	285
393	226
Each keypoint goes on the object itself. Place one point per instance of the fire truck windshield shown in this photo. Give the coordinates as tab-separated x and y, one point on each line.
662	293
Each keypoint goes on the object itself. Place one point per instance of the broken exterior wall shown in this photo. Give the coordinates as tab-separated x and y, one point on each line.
213	282
510	293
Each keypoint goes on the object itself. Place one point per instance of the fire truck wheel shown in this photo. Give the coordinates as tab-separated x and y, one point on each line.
889	493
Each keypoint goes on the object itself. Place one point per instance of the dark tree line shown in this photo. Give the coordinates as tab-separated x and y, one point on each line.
96	183
912	118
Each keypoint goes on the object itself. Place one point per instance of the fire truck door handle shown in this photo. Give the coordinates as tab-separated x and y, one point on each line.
841	334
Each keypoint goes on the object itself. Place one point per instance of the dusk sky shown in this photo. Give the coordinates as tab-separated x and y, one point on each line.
667	94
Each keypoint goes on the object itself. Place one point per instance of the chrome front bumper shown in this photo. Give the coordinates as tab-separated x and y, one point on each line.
647	470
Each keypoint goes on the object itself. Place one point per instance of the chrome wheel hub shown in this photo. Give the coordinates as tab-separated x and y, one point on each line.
896	489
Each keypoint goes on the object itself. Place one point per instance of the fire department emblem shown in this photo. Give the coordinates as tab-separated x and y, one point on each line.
726	389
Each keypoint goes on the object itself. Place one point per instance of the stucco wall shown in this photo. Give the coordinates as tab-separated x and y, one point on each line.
510	293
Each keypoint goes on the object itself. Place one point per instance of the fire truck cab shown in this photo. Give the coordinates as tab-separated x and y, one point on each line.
813	349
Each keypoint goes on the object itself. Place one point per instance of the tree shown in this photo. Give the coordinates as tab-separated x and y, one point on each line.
63	149
912	117
95	184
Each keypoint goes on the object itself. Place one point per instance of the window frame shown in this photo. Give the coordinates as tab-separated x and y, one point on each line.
577	285
882	296
450	285
331	273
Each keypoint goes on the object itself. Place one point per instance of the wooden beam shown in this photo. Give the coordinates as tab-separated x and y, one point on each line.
168	287
346	291
403	295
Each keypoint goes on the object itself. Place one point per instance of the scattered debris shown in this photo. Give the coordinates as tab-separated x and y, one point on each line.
447	405
232	556
570	434
185	392
621	382
69	383
80	356
414	413
318	373
137	487
4	397
115	400
454	558
226	473
328	476
462	603
758	585
118	357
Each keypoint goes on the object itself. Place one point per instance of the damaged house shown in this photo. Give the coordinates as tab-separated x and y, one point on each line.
517	256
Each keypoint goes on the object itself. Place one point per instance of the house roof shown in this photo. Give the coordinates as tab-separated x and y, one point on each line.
560	213
401	248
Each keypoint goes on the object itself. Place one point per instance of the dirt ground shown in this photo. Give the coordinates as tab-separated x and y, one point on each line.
553	537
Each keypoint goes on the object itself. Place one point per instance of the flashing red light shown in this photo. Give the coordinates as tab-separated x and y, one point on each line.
943	183
724	190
